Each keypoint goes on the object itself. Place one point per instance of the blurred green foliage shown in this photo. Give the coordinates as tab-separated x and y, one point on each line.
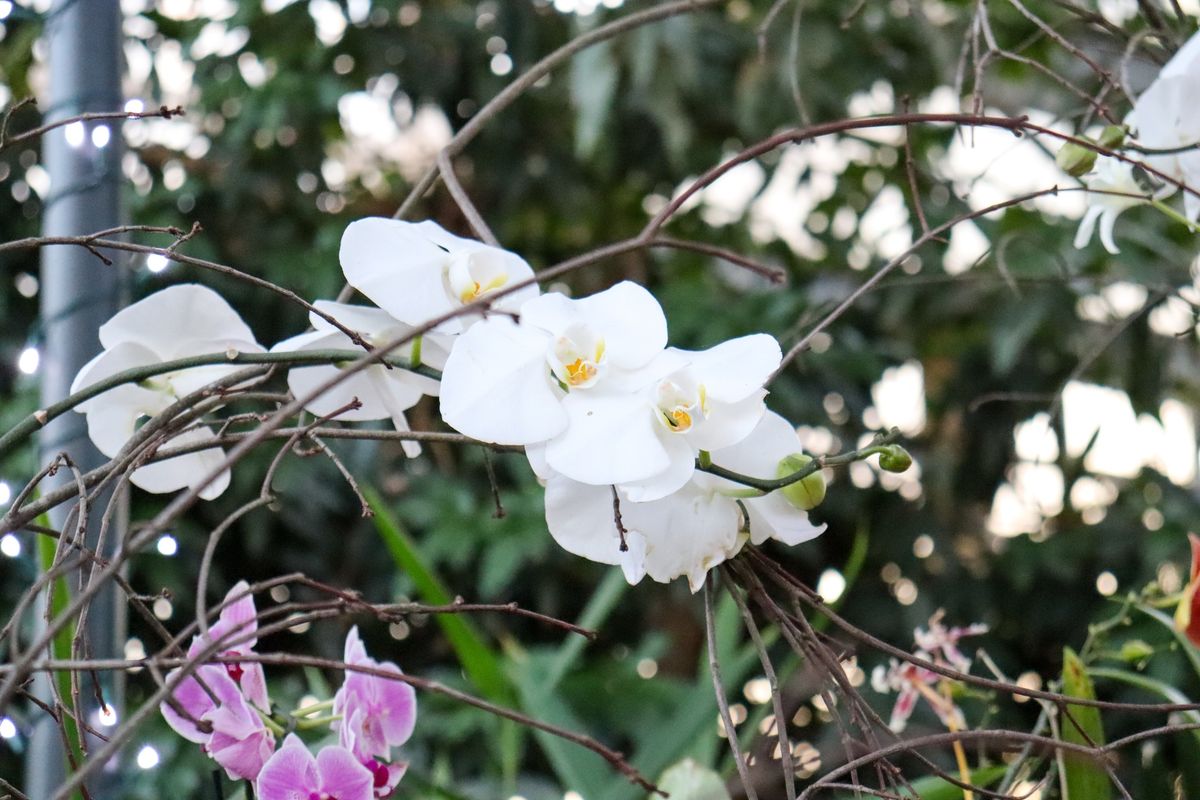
274	168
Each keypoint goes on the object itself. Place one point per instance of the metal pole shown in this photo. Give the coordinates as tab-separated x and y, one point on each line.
78	292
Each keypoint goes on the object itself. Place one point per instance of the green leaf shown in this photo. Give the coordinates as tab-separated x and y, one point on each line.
481	664
593	79
1189	649
1164	690
1085	779
60	598
576	768
688	780
536	678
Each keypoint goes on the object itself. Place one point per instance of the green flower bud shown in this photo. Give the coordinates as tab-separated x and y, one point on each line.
1112	137
1075	160
806	493
894	458
1136	650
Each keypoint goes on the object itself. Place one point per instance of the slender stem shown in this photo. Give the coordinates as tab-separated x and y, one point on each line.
274	726
766	485
38	419
312	708
313	723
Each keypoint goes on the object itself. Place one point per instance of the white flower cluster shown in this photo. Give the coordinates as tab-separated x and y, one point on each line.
613	421
1165	122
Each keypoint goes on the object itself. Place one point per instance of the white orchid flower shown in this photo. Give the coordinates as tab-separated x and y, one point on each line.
1112	189
690	531
646	437
1167	116
177	322
416	271
383	393
507	383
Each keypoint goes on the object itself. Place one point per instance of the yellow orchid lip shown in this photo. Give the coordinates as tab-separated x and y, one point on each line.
476	290
576	358
679	409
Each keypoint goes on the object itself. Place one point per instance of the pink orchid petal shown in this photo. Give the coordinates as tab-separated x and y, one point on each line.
342	776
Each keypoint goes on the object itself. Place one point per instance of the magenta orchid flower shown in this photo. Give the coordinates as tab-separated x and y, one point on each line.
293	773
226	697
236	737
377	714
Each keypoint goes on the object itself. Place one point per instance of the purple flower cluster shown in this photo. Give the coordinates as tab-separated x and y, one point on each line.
225	709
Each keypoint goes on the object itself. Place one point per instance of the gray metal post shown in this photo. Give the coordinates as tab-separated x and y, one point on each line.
78	292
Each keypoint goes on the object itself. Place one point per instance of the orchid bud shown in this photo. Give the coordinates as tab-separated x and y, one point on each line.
1136	650
806	493
1075	160
1112	137
894	458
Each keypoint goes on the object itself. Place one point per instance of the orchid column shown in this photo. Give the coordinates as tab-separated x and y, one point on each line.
78	292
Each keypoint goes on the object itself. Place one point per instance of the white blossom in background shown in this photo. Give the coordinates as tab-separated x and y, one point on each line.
385	393
1167	116
417	272
177	322
1112	188
692	530
508	383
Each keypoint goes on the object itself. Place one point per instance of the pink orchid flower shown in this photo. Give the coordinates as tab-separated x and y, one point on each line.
237	740
226	697
377	714
294	774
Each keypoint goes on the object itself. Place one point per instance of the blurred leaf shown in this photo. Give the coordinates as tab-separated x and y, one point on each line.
537	677
594	79
481	663
1189	649
688	780
1085	779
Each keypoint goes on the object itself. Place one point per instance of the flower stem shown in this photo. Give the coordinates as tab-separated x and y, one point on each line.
312	708
270	722
415	356
26	427
766	485
1175	215
316	722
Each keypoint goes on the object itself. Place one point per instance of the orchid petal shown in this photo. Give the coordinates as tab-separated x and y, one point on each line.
395	265
581	519
178	313
631	321
1107	220
238	616
289	774
774	517
609	439
687	534
185	471
736	368
366	321
1087	226
728	423
113	361
495	386
303	381
759	453
195	700
342	776
682	466
112	421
